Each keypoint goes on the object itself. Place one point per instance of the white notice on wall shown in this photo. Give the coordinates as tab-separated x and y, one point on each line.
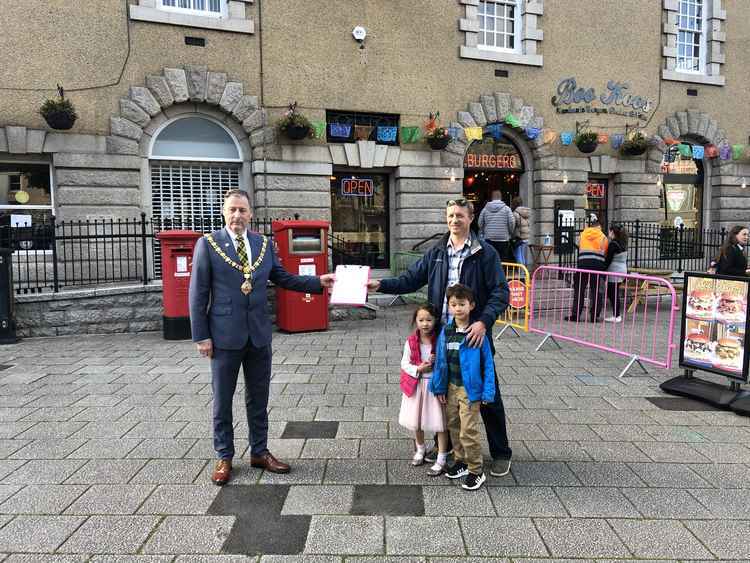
20	220
182	263
307	270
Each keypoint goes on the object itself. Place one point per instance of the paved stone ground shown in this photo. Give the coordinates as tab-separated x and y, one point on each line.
105	456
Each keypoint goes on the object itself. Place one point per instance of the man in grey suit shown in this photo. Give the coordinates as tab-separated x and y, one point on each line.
231	326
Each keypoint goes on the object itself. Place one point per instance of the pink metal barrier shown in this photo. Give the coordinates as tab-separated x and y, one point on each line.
564	300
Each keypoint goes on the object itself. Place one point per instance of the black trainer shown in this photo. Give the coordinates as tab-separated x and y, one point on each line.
431	455
473	481
457	470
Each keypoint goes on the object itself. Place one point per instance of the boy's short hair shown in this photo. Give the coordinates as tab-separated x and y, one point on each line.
460	291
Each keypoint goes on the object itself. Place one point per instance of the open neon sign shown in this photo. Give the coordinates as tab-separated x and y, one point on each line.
357	187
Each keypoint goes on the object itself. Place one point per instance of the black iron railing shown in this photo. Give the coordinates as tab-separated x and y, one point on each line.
651	245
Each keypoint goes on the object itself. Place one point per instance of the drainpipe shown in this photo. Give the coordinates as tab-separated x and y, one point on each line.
262	97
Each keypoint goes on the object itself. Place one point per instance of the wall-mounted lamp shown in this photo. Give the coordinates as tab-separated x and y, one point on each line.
658	181
453	175
565	178
743	183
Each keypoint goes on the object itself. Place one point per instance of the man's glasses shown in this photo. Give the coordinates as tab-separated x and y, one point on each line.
461	202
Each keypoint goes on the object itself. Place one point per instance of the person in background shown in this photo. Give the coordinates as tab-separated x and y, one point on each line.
496	226
522	232
616	261
731	260
592	253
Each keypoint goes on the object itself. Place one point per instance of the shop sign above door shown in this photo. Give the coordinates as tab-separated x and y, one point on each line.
492	155
614	100
357	187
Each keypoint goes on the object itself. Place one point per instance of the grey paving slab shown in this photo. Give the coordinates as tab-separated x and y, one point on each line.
190	534
580	537
110	534
675	475
666	503
355	472
180	499
104	448
543	473
105	429
39	558
599	502
725	539
42	499
409	535
304	472
346	535
43	472
724	503
37	534
314	499
615	451
558	451
453	501
7	491
161	449
105	471
401	472
111	499
131	559
515	537
671	452
605	474
39	449
659	539
330	449
526	501
8	467
722	475
159	471
724	453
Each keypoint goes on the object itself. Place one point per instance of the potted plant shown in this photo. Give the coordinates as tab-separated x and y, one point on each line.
436	136
294	125
58	112
586	141
635	144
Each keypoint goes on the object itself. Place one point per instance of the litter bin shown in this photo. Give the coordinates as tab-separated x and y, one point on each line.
176	265
7	300
302	249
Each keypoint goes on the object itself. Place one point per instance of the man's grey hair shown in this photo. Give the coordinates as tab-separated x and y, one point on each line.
237	193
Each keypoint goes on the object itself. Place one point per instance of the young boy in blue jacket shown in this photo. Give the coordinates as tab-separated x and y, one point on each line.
463	377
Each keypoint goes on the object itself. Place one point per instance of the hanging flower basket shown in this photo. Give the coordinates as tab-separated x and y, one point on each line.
438	143
294	125
635	144
587	146
58	112
586	141
297	132
633	150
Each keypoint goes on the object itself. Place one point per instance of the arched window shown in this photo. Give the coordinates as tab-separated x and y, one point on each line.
194	161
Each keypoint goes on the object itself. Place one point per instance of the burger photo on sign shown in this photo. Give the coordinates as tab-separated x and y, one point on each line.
728	354
697	346
701	304
731	308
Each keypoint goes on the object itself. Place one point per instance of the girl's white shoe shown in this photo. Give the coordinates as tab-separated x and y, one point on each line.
418	458
436	470
613	320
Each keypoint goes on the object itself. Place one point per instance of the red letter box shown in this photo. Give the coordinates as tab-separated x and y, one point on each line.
302	249
176	265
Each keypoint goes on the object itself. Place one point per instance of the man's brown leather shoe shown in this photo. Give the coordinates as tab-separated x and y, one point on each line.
269	463
222	472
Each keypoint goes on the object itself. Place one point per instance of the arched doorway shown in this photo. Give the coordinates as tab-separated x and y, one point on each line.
490	165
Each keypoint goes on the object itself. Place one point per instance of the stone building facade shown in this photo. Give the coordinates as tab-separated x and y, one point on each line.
138	70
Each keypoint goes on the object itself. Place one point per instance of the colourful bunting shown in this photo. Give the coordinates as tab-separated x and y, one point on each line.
495	129
411	134
738	151
617	140
725	152
454	132
340	130
533	132
566	137
512	120
387	134
473	133
362	132
685	150
670	141
712	151
602	138
549	136
319	129
698	152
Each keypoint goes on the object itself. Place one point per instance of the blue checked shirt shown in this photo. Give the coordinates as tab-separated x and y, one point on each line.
456	259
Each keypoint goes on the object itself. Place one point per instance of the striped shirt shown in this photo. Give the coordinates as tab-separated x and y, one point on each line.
456	257
454	336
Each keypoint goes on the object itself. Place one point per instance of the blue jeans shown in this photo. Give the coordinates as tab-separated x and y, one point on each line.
256	368
520	252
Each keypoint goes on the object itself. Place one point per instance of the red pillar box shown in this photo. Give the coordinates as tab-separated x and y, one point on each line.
176	265
302	248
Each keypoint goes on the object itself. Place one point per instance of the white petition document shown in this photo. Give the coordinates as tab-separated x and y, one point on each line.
350	287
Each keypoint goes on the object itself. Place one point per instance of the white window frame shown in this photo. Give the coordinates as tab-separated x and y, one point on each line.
233	18
222	13
528	34
712	43
17	208
702	33
517	25
166	124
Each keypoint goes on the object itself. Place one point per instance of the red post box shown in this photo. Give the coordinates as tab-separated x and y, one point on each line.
176	265
302	248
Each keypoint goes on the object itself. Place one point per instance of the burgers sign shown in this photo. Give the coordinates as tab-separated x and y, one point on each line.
714	319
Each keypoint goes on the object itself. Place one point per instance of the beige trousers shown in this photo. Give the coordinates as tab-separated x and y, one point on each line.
463	425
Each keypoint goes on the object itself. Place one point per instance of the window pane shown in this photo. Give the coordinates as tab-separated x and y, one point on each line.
24	184
491	8
214	6
511	42
490	24
184	4
168	2
199	4
194	137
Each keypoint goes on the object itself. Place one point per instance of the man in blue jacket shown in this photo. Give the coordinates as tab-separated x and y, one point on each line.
231	326
461	257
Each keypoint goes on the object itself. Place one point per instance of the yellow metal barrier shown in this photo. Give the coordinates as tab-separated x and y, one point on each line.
516	316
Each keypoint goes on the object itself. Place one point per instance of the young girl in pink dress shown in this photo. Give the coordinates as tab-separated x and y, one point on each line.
420	409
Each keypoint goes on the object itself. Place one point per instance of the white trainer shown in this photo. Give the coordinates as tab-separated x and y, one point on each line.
613	320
